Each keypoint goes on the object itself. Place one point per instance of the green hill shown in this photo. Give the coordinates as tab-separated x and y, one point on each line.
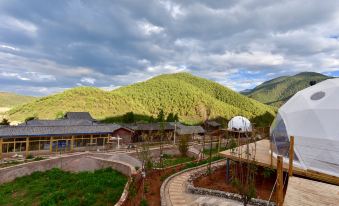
277	91
10	99
181	93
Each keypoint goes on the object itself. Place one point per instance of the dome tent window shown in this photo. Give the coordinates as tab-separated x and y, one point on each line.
280	138
314	124
318	95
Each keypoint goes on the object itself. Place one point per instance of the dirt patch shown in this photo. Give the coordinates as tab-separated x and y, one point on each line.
150	189
217	181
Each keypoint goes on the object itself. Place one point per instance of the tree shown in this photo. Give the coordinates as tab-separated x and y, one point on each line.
4	122
161	116
183	146
128	117
151	119
30	118
145	153
59	115
243	174
170	117
176	117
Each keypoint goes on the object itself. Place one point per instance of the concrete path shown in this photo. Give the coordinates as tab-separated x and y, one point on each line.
175	193
214	201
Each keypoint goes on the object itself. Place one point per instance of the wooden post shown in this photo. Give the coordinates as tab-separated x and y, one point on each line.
219	142
0	148
271	148
280	183
27	146
51	145
72	143
227	170
14	145
291	156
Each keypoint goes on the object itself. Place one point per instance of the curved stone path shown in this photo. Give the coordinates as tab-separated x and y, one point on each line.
174	190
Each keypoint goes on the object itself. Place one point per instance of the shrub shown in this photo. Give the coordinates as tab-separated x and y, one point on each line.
143	202
183	146
29	156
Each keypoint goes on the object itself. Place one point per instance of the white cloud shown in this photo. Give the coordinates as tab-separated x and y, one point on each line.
9	22
148	29
88	80
174	9
9	47
110	87
114	43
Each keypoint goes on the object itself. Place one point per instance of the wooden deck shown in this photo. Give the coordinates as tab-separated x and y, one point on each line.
302	191
262	157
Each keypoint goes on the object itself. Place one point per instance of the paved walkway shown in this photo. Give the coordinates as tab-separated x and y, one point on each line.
175	192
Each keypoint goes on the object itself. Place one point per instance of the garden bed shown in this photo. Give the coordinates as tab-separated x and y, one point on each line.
150	190
264	183
57	187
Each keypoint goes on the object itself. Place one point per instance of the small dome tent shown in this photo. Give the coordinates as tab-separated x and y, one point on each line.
312	117
239	123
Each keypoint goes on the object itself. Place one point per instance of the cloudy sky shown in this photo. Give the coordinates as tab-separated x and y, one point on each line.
49	46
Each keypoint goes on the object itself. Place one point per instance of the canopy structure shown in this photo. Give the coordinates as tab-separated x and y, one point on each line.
239	123
312	117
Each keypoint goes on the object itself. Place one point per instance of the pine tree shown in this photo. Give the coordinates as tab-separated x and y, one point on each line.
4	122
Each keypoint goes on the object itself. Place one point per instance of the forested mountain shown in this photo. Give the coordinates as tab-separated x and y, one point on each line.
189	96
10	99
277	91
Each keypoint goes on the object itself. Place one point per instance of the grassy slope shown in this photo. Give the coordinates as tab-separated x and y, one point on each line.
11	99
56	187
277	91
182	93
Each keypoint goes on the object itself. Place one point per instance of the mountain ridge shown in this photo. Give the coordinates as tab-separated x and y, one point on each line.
277	91
9	99
181	93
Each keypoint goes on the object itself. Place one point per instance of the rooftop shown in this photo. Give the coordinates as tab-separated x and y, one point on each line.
23	131
79	115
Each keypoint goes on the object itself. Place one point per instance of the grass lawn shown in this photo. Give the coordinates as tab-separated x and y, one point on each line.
214	150
170	160
57	187
205	161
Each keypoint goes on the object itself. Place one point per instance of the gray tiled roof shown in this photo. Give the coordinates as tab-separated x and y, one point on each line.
213	123
183	129
17	131
78	115
190	130
149	126
59	122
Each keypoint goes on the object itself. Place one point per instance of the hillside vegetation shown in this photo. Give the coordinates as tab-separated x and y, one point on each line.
277	91
10	99
189	96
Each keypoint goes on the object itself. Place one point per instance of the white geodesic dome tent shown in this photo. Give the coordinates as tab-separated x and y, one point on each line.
239	123
312	117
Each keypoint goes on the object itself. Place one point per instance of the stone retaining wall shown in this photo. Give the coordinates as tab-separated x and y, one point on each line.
72	163
204	191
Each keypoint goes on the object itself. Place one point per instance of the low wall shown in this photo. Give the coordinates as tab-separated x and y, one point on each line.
228	195
72	163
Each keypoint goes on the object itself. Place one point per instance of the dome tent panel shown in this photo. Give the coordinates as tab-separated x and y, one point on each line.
304	123
312	117
239	123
